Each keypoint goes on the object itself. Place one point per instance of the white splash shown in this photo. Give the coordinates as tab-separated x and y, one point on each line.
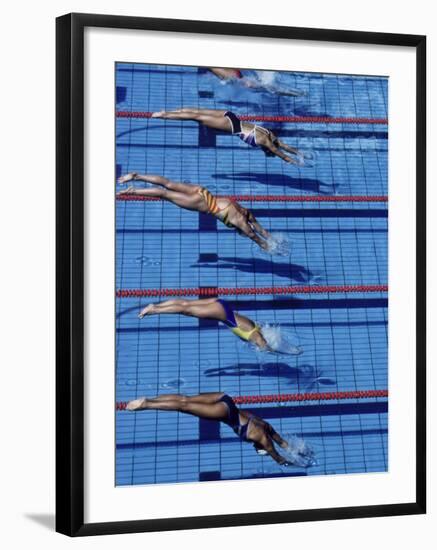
306	159
267	78
298	452
280	341
279	245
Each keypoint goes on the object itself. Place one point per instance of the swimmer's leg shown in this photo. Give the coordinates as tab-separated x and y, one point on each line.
216	120
208	308
180	403
169	184
196	111
127	177
205	398
183	200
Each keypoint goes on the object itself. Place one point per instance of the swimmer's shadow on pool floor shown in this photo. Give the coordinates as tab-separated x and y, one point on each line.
290	271
302	184
306	375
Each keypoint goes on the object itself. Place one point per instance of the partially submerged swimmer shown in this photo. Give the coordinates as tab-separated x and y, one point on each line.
235	75
199	199
221	407
219	310
227	121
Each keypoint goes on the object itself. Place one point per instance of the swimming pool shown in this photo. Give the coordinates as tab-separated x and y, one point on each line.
337	225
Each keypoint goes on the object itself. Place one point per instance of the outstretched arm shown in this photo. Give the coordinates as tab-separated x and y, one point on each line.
277	152
247	230
257	226
267	445
277	438
288	148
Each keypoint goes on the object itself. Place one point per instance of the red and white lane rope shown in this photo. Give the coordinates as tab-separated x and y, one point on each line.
278	118
296	397
274	198
224	291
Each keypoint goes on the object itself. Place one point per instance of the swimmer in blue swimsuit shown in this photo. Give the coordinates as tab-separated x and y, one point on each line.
227	121
221	407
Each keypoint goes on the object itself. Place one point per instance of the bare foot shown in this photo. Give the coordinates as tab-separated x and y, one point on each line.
127	177
137	404
129	191
148	310
157	114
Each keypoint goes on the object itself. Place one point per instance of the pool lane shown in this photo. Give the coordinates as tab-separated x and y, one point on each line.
159	246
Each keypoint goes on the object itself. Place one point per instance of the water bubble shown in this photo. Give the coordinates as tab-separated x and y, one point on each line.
173	383
147	261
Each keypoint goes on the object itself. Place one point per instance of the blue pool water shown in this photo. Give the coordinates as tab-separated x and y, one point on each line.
344	336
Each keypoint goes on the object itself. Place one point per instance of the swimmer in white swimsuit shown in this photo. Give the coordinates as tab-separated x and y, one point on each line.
227	121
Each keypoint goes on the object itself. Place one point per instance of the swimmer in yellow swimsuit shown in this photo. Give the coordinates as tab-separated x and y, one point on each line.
212	308
222	310
199	199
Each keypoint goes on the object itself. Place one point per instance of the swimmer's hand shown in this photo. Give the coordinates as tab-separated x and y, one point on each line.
127	177
136	404
285	463
148	310
129	191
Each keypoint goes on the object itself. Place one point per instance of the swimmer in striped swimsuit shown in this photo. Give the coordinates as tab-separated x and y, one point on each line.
212	308
221	407
199	199
227	121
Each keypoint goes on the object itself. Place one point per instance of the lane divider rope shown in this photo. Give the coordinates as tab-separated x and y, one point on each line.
274	198
295	397
212	291
277	118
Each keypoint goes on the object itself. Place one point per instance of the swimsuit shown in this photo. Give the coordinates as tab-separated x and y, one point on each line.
233	420
235	122
248	137
213	208
231	322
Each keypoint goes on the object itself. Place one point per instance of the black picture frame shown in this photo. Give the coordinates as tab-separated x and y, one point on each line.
70	273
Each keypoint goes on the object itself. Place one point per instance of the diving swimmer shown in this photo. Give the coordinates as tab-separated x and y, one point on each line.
199	199
227	121
220	310
221	407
